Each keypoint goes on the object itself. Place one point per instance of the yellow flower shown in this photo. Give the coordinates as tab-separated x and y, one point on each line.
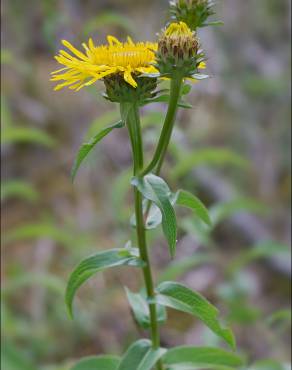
127	59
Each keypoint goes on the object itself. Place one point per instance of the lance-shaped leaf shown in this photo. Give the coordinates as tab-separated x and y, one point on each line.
154	188
141	356
87	147
98	262
186	357
104	362
181	198
181	298
184	198
140	309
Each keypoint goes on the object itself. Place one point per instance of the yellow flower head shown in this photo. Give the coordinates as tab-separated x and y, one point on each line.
127	59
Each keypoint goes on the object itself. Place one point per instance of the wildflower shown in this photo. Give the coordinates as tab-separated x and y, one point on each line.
193	12
178	51
127	61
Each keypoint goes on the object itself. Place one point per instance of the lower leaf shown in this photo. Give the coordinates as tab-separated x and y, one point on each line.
141	356
186	357
105	362
98	262
179	297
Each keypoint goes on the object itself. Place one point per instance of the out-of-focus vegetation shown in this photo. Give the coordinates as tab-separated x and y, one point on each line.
232	149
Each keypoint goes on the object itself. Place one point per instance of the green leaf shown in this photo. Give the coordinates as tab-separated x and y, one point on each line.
214	23
87	147
203	357
19	189
140	356
95	263
181	298
184	198
104	362
140	309
156	190
186	89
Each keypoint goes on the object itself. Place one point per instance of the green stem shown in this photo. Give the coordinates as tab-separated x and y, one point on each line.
131	115
160	152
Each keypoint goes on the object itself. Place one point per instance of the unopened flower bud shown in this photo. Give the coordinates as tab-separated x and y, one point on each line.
178	50
193	12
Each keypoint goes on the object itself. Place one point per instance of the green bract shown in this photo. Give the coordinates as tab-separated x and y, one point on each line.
193	12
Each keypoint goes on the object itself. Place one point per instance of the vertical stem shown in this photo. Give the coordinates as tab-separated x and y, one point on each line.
131	115
164	139
158	157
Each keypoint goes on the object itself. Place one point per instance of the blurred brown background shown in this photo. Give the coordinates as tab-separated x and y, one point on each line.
232	149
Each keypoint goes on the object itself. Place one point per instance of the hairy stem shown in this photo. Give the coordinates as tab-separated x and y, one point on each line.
133	123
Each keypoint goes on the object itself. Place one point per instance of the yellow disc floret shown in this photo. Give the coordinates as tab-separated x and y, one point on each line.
178	29
127	59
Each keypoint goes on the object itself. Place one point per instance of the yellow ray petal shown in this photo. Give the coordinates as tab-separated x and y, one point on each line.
74	50
113	41
130	41
128	77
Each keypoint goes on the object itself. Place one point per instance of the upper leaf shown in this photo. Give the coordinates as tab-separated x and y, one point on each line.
95	263
184	198
104	362
141	356
178	296
155	189
205	357
86	147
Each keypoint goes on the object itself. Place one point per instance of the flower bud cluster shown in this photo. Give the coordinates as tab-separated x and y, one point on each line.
178	50
193	12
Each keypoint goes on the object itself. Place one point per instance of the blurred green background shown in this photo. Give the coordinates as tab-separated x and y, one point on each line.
232	150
